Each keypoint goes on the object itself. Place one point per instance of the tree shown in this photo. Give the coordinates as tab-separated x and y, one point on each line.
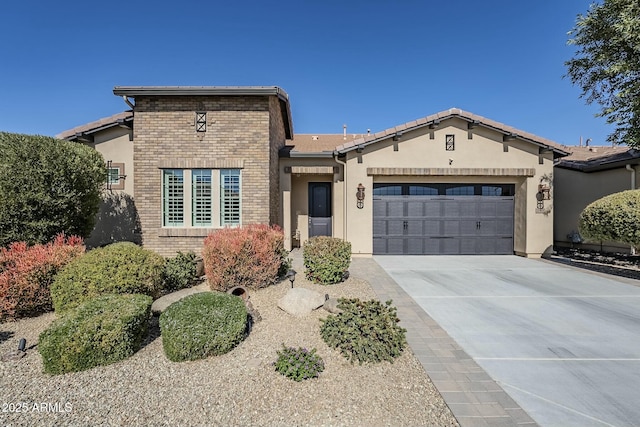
606	65
47	186
614	218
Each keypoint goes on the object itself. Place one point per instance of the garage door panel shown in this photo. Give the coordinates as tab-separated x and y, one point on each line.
395	227
395	246
414	228
431	246
451	228
415	246
395	208
450	246
437	225
415	209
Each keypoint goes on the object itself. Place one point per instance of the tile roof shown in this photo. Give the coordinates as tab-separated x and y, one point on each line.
447	114
316	143
594	158
336	142
103	123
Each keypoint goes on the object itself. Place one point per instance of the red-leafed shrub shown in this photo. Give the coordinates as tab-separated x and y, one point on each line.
252	256
26	273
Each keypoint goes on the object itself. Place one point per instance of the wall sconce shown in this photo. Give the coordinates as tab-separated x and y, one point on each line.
360	196
544	192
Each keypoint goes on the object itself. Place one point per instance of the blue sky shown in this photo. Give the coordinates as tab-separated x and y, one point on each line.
368	64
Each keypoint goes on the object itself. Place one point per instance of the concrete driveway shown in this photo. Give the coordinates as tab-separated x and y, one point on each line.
563	342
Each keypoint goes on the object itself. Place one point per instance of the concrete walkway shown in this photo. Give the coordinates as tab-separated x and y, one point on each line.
562	342
472	395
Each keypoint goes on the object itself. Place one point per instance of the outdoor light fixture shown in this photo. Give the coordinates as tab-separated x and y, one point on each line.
291	275
22	344
544	192
360	196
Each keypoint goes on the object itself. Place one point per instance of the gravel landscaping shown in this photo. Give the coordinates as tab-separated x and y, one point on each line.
240	388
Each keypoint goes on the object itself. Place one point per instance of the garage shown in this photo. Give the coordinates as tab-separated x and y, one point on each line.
447	219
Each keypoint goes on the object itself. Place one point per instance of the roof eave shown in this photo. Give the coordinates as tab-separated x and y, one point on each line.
285	108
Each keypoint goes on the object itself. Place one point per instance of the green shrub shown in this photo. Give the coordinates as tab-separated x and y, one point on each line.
615	217
120	268
326	259
252	256
47	187
365	331
202	325
298	363
101	331
179	272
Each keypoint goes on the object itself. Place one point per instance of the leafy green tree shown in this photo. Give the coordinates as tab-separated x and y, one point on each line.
614	218
606	64
47	186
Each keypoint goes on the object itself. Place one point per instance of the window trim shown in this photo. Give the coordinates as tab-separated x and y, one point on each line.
188	207
121	176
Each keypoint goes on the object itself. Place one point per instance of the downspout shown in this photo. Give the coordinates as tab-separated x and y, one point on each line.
344	195
633	176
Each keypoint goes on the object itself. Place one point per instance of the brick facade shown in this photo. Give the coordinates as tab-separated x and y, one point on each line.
243	132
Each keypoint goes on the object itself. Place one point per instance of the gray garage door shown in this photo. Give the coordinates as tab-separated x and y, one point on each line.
434	225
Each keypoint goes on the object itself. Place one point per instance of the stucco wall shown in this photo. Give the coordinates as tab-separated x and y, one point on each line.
425	148
574	190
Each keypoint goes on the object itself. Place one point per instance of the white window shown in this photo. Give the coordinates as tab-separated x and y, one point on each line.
173	197
201	197
230	197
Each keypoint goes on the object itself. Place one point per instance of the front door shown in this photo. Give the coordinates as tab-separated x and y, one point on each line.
319	209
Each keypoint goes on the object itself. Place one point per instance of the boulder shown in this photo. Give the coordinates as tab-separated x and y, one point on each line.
300	301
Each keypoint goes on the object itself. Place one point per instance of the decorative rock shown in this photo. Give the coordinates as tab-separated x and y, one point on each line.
331	305
13	355
162	303
301	301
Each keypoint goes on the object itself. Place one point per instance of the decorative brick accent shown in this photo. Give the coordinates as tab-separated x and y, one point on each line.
243	132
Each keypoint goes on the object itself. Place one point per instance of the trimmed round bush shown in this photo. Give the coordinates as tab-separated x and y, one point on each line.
252	256
120	268
615	218
366	331
202	325
326	259
101	331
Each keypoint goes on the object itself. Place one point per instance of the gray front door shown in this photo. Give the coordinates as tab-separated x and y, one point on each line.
432	225
320	209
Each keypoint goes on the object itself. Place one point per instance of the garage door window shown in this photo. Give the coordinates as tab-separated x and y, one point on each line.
498	190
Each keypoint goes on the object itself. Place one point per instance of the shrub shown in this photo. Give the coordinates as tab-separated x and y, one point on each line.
47	187
202	325
26	274
298	363
120	268
179	272
365	331
252	256
100	331
615	217
326	259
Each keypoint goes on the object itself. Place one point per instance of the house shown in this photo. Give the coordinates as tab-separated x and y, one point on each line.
204	158
586	175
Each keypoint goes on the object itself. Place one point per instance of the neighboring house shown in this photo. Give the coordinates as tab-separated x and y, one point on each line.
450	183
586	175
